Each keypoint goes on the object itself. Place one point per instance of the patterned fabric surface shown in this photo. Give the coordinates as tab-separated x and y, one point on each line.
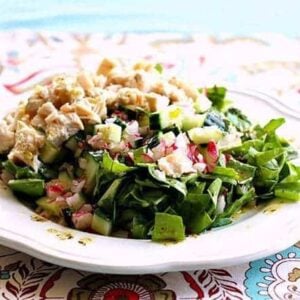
268	63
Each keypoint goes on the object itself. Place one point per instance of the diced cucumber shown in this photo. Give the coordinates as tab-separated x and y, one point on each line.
101	224
192	121
49	153
110	133
172	128
67	214
90	171
130	110
288	190
47	172
142	118
139	228
168	227
73	144
138	154
78	172
202	104
77	202
89	129
52	208
29	187
125	218
172	115
65	179
200	221
205	134
137	143
119	122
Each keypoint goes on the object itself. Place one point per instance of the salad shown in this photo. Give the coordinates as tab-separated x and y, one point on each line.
132	152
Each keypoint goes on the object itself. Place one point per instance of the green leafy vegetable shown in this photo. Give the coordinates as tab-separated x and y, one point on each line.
217	96
159	68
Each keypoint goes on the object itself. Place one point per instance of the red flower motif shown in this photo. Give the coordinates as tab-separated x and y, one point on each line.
117	287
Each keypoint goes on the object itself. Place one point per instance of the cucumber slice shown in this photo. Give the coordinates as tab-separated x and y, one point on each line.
172	128
172	115
110	133
119	122
29	187
89	129
100	223
142	118
77	202
168	227
49	153
52	208
205	134
138	154
65	179
139	228
193	121
91	169
72	143
130	110
202	104
200	221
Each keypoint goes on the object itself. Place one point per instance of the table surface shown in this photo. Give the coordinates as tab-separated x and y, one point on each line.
256	61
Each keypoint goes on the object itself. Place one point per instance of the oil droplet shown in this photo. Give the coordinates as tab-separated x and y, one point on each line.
271	208
62	235
38	218
85	240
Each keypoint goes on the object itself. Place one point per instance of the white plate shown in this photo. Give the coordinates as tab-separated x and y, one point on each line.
255	235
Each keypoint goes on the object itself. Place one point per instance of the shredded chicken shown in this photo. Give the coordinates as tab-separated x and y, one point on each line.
28	141
62	108
189	90
7	137
65	89
106	66
60	126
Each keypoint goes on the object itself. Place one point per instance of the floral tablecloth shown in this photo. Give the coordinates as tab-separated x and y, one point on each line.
269	63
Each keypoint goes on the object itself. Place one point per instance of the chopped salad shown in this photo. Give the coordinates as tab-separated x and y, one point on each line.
132	152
